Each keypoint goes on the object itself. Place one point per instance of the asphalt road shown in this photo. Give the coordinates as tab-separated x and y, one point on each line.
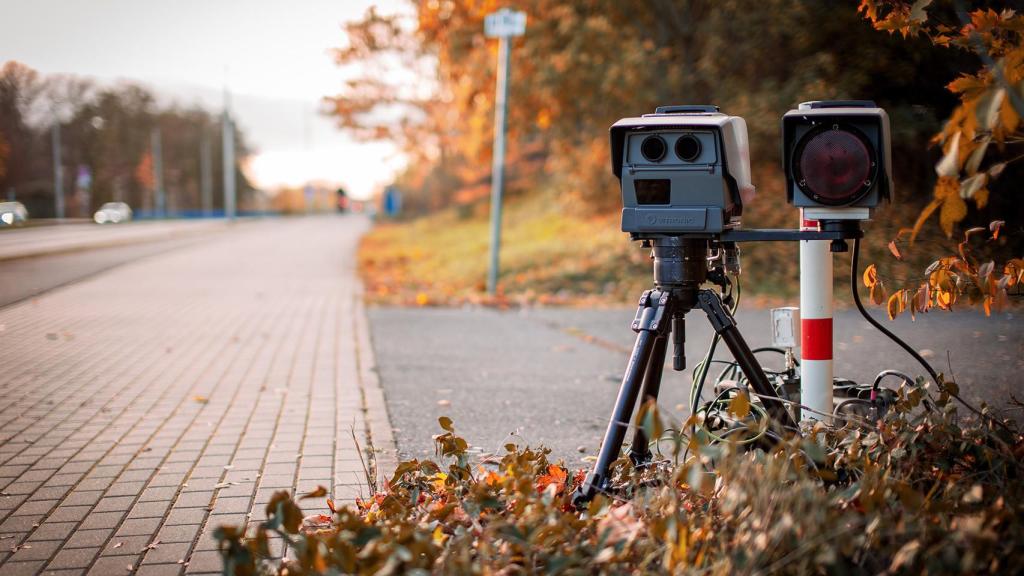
23	278
550	376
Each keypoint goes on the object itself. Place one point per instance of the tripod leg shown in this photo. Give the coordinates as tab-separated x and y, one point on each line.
639	453
649	327
725	326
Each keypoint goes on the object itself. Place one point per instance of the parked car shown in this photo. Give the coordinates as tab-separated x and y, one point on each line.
113	213
12	213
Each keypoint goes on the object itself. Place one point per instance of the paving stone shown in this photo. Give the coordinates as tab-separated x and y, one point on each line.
109	565
178	533
124	545
95	538
69	513
167	552
185	516
53	531
15	568
72	558
36	551
205	561
139	526
149	509
159	569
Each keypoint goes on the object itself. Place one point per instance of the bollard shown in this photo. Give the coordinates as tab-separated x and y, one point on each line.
815	325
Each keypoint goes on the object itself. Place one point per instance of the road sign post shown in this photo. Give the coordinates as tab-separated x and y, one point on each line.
58	172
228	157
156	146
503	25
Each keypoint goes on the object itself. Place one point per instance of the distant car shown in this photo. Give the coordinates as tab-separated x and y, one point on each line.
113	213
12	213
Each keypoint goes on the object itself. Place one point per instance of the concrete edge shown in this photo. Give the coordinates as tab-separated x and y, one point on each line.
379	433
115	242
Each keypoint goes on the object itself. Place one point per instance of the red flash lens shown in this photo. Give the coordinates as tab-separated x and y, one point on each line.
834	166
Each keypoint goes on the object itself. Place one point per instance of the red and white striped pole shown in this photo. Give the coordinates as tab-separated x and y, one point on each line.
815	325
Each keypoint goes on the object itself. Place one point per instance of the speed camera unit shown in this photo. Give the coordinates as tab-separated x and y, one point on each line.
684	170
838	158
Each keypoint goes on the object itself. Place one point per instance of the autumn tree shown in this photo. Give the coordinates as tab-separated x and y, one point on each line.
106	128
979	165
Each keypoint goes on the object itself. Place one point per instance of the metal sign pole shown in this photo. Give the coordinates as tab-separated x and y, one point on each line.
228	153
502	24
58	172
158	173
498	166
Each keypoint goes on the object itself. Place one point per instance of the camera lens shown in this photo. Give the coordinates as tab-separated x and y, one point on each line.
834	166
653	148
688	148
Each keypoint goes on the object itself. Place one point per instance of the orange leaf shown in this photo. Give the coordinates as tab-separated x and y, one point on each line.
895	305
556	475
870	276
878	293
895	250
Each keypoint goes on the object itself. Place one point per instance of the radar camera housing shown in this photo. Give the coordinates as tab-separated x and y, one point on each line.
684	170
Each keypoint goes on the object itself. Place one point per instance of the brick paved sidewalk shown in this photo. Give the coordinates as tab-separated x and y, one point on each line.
142	408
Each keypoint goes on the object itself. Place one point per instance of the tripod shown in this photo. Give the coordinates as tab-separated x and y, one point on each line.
680	268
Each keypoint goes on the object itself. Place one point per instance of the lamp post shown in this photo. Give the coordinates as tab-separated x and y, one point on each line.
503	25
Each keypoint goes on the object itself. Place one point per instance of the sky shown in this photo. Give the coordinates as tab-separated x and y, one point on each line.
273	56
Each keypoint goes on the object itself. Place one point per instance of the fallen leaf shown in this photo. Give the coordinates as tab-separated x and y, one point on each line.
200	399
319	492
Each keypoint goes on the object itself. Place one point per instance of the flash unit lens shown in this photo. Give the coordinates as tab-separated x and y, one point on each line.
653	148
834	166
688	148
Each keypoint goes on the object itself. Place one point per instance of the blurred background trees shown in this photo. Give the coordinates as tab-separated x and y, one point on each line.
105	130
428	85
583	64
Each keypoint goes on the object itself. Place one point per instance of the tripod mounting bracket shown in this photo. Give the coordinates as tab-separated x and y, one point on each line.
651	311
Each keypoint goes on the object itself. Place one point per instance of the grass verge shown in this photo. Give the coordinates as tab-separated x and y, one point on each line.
547	256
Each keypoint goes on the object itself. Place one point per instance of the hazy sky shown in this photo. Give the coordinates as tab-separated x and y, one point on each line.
272	55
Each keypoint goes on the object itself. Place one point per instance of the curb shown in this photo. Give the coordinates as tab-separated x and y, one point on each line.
380	437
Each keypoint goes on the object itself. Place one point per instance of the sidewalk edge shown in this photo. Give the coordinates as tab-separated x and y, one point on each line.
380	436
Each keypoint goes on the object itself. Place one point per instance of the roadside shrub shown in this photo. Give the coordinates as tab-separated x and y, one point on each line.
915	492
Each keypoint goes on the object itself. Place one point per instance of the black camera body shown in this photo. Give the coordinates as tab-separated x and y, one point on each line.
684	170
837	156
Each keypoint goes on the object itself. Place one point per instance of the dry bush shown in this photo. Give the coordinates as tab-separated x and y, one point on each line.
915	492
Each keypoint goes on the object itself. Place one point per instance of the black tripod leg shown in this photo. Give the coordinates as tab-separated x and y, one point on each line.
725	326
639	452
649	326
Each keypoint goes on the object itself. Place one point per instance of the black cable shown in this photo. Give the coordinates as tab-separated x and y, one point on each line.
902	344
863	312
881	376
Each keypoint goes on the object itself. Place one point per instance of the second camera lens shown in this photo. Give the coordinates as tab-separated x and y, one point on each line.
688	148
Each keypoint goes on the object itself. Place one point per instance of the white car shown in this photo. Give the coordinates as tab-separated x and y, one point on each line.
113	213
12	213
